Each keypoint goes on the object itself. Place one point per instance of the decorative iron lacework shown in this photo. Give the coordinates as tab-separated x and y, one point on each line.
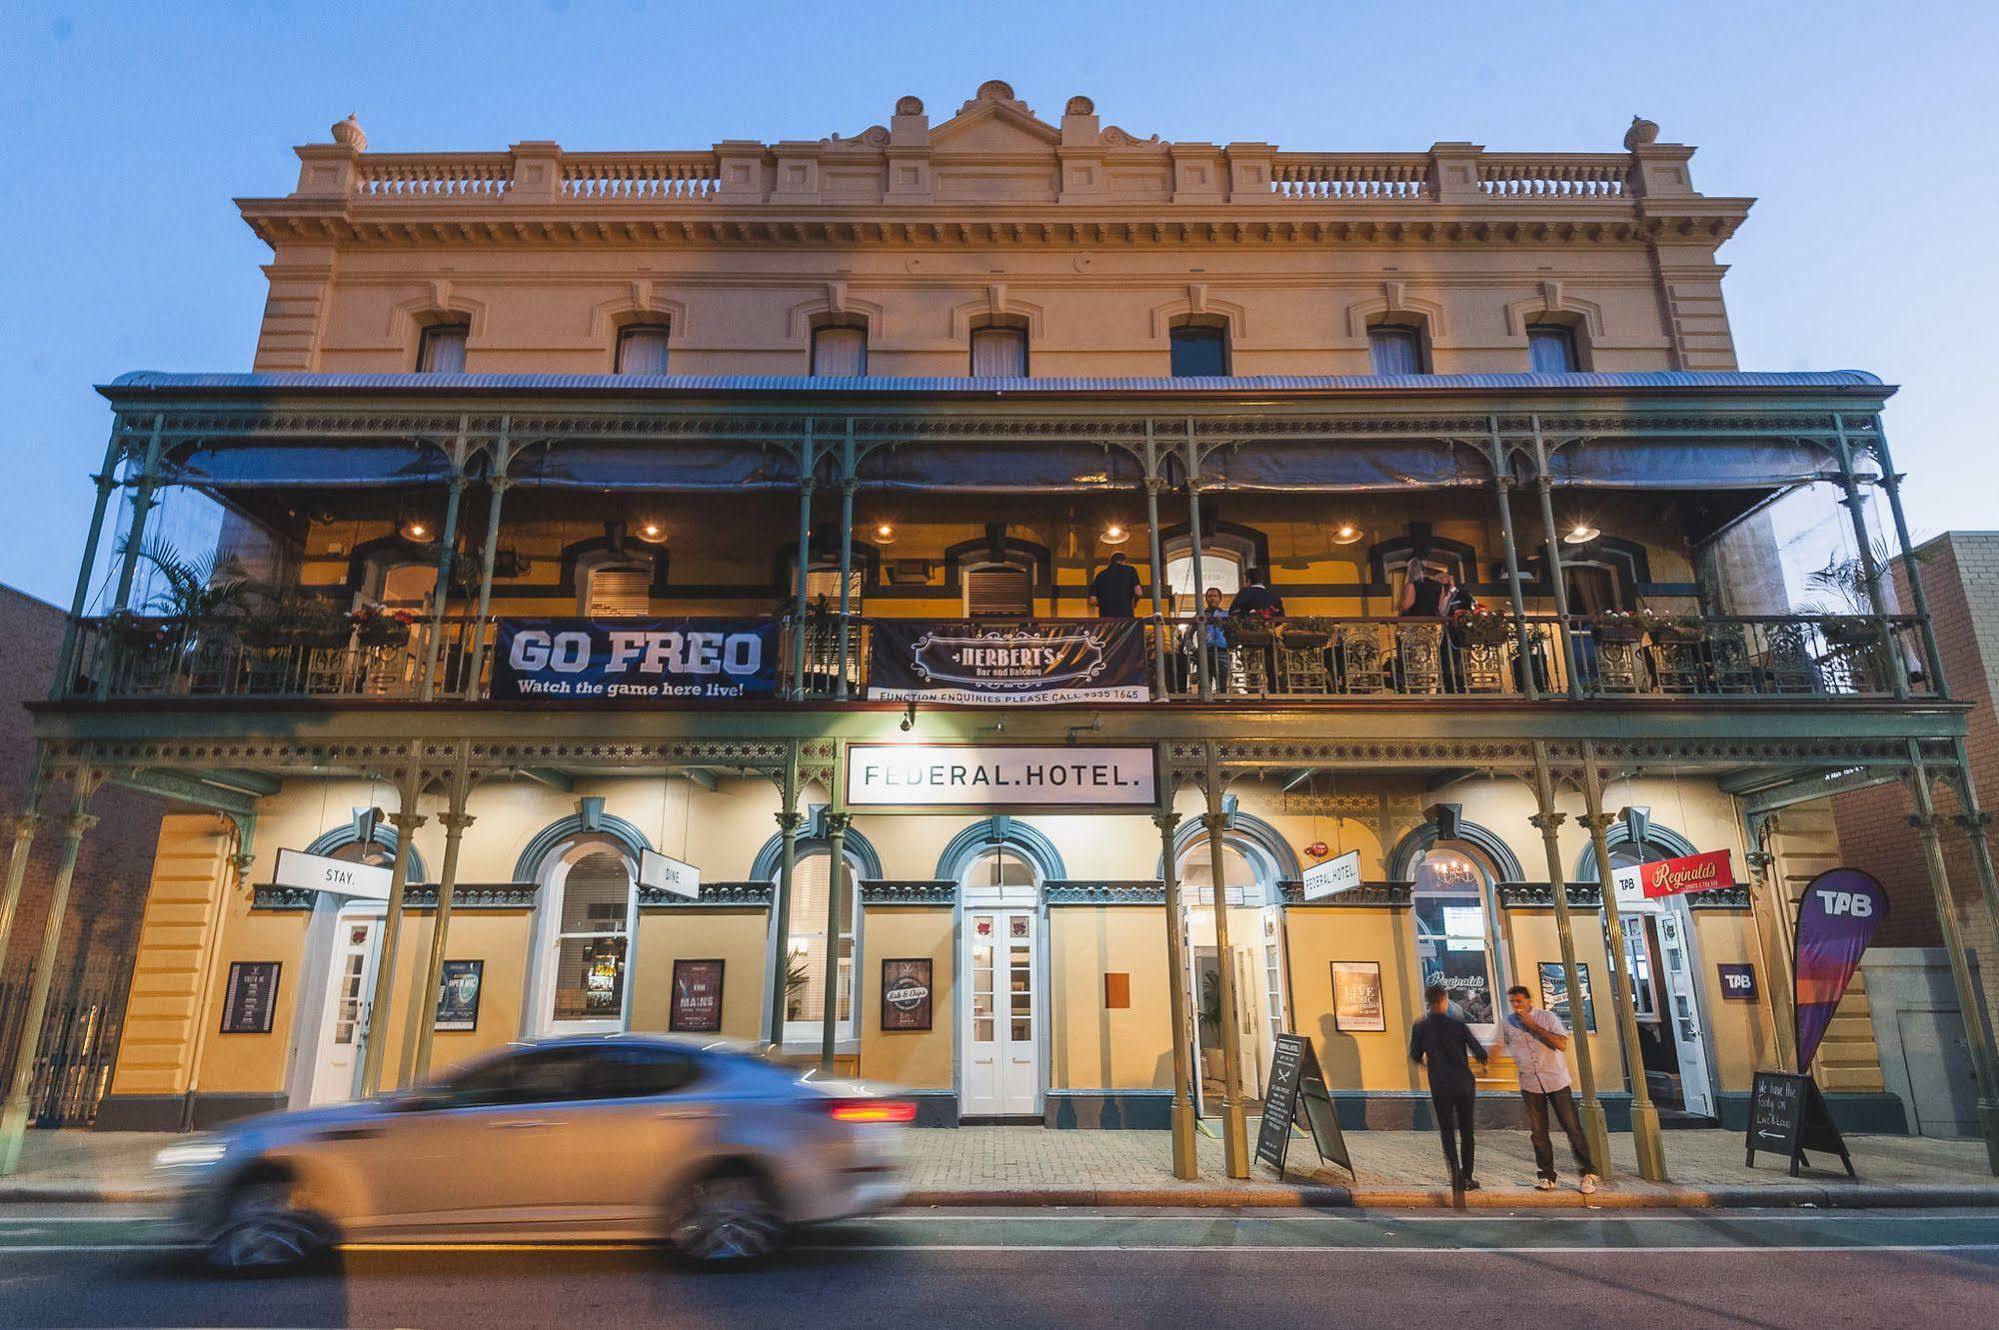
283	898
1722	898
423	896
1079	891
1393	895
915	891
712	894
1541	895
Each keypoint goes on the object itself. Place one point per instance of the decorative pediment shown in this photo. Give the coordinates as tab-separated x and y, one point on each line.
995	122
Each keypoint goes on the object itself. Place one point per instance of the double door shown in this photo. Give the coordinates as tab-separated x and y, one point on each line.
1002	1043
1659	958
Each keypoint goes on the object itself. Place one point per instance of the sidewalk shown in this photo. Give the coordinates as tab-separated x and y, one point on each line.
1010	1166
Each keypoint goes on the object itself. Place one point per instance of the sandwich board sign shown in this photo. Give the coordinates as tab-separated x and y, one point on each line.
1297	1086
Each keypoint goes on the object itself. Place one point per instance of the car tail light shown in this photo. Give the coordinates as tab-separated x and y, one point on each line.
871	1110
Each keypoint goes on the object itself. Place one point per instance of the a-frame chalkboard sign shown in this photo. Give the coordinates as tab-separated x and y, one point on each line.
1788	1116
1296	1085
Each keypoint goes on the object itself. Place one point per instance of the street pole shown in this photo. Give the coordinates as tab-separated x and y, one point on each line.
1548	821
1644	1117
1235	1132
1186	1162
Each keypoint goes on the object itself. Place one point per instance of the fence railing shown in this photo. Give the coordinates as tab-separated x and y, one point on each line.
1313	177
1793	656
77	1051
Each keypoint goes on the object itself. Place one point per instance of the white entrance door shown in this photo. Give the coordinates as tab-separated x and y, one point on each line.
1684	1012
1002	1063
344	1029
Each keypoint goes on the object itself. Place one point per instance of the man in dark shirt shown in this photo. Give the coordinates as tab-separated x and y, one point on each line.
1114	591
1444	1043
1257	598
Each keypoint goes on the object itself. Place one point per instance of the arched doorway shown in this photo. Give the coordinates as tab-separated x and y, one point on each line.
1659	957
337	1018
1256	959
1001	1064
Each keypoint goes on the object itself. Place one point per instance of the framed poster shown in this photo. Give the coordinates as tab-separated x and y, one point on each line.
906	1001
697	997
458	995
251	999
1555	994
1357	1003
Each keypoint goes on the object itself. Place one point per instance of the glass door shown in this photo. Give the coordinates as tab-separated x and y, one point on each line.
344	1031
1002	1063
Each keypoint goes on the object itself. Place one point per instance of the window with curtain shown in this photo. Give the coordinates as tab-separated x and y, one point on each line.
1200	352
999	353
839	353
642	349
1395	349
441	349
805	949
1551	349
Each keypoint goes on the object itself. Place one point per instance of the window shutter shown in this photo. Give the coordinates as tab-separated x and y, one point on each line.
999	592
619	593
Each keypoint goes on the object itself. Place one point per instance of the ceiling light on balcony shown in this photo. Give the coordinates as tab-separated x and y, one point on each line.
416	529
1582	533
1114	534
1346	533
652	533
884	533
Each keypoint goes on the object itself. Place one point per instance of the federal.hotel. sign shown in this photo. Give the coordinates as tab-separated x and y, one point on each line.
999	776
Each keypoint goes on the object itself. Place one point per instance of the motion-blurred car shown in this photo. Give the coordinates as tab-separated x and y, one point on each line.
712	1149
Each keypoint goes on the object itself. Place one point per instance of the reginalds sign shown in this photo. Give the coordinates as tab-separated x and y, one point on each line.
1674	877
318	872
1333	876
994	775
648	659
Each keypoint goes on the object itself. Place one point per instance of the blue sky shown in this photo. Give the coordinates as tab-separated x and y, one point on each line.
1865	131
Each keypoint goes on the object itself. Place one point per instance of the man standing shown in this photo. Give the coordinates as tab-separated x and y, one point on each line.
1537	1040
1114	591
1444	1043
1256	597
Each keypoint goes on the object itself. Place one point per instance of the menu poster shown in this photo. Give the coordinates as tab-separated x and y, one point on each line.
906	994
458	995
1357	1002
697	997
251	999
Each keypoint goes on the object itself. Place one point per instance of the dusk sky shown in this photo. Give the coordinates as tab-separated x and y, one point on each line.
1866	132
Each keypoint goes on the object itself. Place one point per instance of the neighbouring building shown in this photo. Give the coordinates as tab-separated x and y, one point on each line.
691	595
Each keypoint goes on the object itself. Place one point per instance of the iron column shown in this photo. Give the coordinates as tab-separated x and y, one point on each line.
1548	821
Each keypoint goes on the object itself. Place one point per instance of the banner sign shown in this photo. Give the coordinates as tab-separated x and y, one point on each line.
998	775
1036	664
665	873
1333	876
1674	877
646	659
1837	917
319	872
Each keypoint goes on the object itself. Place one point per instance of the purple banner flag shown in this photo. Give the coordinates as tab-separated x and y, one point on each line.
1836	920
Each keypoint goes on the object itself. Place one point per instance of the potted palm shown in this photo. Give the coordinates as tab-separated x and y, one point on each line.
1846	609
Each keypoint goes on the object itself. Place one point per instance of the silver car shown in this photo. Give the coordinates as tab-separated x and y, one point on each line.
712	1149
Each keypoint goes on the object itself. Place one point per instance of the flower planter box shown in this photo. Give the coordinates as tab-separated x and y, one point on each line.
1619	633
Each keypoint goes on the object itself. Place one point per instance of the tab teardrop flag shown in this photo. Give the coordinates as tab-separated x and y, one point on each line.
1837	917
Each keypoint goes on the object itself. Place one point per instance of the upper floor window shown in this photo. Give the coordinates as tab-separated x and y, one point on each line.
1200	352
999	353
839	352
999	590
618	592
1551	349
642	349
441	349
1395	349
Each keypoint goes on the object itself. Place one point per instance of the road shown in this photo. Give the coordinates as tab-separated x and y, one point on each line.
1012	1270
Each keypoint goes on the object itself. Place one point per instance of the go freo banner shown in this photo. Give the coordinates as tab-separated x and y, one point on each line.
1836	920
1036	664
643	659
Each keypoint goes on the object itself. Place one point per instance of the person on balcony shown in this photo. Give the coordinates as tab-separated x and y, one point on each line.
1114	591
1257	598
1210	628
1429	591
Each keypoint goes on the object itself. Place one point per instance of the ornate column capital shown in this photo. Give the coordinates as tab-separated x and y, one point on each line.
1596	822
1928	825
500	484
1547	822
788	823
1216	823
836	825
1166	822
27	824
405	823
1974	824
75	824
454	824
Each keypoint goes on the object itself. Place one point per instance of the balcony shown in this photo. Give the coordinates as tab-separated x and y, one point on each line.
1696	660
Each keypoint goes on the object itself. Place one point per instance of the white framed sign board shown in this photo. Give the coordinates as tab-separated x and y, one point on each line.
319	872
665	873
920	775
1333	876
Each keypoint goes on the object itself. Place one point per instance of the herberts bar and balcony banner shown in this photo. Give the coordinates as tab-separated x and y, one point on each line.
1033	664
634	658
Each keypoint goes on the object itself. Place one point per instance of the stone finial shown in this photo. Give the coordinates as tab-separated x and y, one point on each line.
995	90
1080	105
348	134
1642	134
909	106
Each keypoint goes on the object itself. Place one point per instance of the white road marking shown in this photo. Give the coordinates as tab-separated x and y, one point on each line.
1351	1250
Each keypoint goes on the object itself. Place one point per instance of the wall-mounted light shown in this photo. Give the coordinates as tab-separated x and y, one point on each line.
652	532
909	716
416	529
884	533
1114	534
1346	533
1582	533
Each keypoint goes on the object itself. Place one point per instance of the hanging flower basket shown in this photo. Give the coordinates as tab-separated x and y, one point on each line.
297	623
1684	630
1249	633
1306	634
135	631
1619	626
375	627
1483	627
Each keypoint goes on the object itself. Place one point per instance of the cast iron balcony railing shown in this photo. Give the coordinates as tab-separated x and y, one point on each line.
1806	658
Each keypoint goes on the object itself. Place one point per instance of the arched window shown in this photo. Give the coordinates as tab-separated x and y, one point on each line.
805	950
642	348
1225	559
1455	934
586	919
839	351
1396	348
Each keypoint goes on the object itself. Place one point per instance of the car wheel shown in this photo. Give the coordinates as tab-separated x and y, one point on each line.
724	1217
263	1232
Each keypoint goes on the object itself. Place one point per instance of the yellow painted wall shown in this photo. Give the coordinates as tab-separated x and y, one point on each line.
1318	936
919	1059
1094	1047
170	974
734	937
1533	940
1741	1035
250	1063
498	937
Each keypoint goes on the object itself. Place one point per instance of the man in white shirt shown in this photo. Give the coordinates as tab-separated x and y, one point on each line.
1537	1041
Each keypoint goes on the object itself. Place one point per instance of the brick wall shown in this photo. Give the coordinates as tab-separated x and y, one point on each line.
1960	572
